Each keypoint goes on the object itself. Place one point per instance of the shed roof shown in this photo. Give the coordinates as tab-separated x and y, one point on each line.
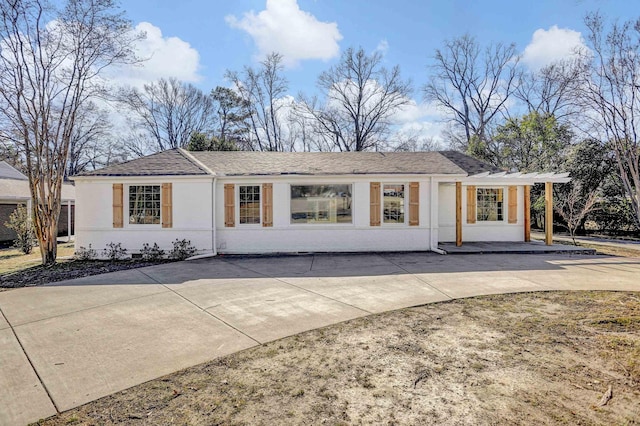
9	172
251	163
18	190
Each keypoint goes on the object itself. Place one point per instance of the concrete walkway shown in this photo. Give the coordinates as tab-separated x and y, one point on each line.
72	342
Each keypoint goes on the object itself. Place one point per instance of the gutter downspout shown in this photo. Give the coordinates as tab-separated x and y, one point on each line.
214	243
433	247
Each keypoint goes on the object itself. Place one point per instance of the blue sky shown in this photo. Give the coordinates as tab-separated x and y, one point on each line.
197	40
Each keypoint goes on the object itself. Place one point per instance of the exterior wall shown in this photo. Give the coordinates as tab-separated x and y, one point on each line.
479	231
356	236
193	218
191	207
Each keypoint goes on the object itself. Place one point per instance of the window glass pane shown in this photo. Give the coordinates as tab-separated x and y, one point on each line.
489	204
249	204
321	204
393	205
144	204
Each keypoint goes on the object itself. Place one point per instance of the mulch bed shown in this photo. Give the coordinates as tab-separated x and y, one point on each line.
67	270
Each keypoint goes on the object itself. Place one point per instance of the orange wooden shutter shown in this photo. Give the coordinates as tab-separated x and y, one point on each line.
167	205
471	204
118	195
374	200
229	205
414	203
513	204
267	204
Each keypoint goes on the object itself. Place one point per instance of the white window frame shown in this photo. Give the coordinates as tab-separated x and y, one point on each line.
325	224
237	195
405	205
497	221
127	206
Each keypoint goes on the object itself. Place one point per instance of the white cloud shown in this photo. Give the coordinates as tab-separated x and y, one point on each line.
282	27
383	47
551	45
420	121
413	112
164	57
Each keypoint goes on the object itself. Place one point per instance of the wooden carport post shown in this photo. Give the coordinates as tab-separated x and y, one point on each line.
548	213
527	213
458	214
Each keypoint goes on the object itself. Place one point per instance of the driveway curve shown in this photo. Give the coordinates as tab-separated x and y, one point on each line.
71	342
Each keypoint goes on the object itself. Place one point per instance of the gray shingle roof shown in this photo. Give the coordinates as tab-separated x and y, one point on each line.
18	190
165	163
325	163
250	163
470	165
9	172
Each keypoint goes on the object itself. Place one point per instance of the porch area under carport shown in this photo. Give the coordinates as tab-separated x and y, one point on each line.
518	212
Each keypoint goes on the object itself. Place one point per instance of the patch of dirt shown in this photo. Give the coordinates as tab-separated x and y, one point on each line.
66	270
537	358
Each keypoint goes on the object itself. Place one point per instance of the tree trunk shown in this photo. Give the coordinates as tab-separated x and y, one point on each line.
48	242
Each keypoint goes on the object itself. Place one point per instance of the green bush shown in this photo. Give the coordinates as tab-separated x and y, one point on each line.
182	249
21	223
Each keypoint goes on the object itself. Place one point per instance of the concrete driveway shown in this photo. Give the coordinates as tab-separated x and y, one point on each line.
69	343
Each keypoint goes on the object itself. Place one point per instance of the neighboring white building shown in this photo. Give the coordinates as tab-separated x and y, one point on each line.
268	202
14	191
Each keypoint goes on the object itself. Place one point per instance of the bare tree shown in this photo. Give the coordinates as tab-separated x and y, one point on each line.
473	86
574	206
412	141
262	91
610	87
50	62
169	111
552	90
89	140
360	96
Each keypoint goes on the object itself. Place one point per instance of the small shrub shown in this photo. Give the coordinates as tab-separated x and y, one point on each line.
151	253
84	253
182	249
114	251
20	222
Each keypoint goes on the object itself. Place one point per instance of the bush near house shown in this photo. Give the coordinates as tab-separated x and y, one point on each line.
20	222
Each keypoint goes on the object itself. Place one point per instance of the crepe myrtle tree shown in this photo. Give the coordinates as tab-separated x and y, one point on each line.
51	58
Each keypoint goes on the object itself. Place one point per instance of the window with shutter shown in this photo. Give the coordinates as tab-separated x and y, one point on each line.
471	204
167	205
374	201
118	205
414	203
513	204
229	205
267	204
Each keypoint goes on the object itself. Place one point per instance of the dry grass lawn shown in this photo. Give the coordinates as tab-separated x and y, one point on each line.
537	358
12	259
20	270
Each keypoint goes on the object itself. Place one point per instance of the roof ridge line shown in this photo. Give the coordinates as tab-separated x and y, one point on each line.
195	161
